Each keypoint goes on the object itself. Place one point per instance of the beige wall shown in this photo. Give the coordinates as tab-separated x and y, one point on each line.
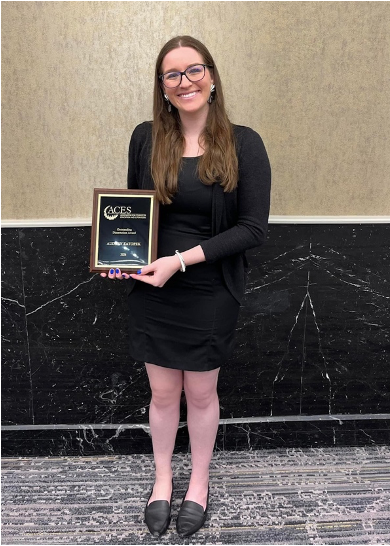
311	77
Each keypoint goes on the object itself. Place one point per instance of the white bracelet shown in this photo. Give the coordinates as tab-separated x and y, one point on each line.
182	262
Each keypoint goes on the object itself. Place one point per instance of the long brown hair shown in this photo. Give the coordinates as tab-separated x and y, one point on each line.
219	162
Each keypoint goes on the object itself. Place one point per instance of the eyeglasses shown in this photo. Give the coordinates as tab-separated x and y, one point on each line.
193	73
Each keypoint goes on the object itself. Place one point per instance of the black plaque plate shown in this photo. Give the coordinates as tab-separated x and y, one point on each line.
124	229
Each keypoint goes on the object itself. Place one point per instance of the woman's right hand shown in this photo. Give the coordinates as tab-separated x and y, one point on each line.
115	274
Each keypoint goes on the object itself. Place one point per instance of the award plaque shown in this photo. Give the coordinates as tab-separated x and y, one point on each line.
124	230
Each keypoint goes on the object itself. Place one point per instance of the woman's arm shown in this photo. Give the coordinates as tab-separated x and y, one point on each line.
158	272
253	201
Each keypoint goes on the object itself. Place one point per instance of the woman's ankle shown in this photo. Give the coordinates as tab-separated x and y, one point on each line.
162	488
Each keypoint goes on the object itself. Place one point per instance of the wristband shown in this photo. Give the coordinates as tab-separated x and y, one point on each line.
182	262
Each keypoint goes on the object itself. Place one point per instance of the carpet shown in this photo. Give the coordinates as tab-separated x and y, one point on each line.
285	496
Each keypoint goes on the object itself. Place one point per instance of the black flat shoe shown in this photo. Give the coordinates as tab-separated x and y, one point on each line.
191	517
158	515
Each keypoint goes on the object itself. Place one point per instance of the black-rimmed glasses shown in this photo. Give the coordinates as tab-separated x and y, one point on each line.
193	73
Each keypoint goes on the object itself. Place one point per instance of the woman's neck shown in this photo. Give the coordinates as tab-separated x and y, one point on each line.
193	124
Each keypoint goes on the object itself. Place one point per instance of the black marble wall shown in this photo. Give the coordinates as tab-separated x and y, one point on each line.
310	366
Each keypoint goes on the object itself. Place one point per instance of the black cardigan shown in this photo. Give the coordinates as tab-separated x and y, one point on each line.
239	218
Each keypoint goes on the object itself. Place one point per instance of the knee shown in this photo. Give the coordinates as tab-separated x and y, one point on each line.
163	398
201	398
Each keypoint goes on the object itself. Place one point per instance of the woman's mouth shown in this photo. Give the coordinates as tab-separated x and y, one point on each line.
188	95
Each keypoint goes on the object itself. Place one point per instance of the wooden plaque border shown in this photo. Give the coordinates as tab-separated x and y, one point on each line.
153	226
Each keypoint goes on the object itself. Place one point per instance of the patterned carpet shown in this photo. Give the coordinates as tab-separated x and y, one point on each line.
293	496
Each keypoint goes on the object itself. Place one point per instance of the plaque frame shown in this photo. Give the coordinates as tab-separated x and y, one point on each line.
127	198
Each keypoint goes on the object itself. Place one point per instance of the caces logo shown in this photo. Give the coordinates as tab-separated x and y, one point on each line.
111	213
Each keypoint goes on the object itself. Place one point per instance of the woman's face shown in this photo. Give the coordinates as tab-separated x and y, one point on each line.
189	97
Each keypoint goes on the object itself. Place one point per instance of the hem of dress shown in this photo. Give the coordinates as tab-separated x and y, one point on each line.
187	367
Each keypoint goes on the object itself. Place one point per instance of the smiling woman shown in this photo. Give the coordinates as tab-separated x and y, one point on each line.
198	109
213	182
187	82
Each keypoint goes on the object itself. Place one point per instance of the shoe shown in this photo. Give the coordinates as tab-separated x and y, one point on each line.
158	515
191	517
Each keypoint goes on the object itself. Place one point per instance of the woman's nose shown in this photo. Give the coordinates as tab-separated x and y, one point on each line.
185	82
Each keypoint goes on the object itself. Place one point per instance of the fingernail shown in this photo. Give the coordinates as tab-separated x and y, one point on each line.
111	271
123	274
139	272
116	270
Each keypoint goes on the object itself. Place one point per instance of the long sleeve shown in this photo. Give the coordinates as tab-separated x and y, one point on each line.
253	200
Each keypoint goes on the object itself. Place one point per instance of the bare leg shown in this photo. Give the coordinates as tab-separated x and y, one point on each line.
166	385
202	420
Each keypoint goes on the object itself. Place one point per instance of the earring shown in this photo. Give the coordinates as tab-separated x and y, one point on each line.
169	104
212	89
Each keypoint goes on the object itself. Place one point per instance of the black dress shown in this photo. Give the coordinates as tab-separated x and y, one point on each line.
189	323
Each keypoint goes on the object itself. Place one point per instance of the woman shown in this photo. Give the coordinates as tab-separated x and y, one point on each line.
213	184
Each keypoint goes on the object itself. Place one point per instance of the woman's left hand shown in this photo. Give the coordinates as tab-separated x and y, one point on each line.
159	272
